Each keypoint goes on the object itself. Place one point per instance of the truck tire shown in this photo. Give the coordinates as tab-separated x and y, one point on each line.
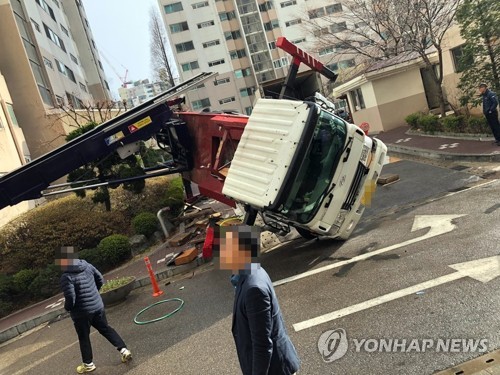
308	235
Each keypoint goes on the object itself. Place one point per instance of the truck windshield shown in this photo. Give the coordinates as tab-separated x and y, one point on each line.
317	169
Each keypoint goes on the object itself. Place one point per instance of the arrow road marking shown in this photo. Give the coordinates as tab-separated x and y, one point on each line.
483	270
55	304
439	224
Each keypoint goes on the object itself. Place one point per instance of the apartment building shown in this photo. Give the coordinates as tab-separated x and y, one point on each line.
45	60
14	151
237	39
140	91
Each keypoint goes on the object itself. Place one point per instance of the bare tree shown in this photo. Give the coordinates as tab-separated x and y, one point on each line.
381	29
159	56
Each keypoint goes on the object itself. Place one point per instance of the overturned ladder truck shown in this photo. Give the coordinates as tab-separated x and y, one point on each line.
292	161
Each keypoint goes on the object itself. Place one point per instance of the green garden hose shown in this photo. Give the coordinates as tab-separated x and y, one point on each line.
136	321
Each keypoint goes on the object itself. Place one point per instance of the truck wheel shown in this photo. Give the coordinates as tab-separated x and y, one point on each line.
308	235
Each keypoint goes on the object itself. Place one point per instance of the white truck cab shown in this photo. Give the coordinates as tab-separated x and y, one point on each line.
301	166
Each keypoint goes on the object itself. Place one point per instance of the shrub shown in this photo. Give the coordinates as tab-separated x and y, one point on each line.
478	125
6	287
23	280
114	250
453	124
94	257
428	123
6	308
413	120
145	223
174	196
46	284
115	283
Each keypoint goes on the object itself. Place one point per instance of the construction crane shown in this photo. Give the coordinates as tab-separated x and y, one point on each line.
123	79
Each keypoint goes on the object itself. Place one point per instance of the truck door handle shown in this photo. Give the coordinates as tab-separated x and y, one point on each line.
330	198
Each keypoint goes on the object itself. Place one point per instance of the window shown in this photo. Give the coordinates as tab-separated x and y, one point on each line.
60	67
237	54
226	16
227	100
211	43
316	13
272	45
360	25
83	87
73	58
247	91
284	61
240	73
178	27
201	4
357	99
322	31
293	22
93	43
100	64
70	74
312	183
273	24
59	100
232	35
344	64
53	37
46	7
86	22
333	67
64	30
48	63
221	81
172	8
12	115
216	62
461	60
205	24
338	27
203	103
277	64
183	47
190	66
334	8
266	6
288	3
106	85
326	51
297	41
248	110
36	26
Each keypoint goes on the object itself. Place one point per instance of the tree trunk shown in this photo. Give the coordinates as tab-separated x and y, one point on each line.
494	70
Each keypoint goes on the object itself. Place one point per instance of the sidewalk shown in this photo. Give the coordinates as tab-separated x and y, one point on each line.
399	141
52	309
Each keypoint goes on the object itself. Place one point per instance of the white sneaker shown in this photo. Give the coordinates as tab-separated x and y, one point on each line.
84	367
126	355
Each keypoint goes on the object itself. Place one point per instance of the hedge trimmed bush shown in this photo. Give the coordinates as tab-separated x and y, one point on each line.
114	250
23	279
174	196
413	120
145	223
46	284
478	125
428	123
453	124
94	257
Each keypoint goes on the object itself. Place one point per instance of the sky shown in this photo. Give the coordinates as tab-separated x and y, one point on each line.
121	33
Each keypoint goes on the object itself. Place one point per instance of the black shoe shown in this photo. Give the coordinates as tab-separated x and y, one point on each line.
497	143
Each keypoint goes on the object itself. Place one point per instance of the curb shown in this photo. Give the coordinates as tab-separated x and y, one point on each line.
60	313
462	136
436	155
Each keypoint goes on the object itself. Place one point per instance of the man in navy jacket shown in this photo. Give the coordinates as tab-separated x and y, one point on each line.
80	283
490	104
259	332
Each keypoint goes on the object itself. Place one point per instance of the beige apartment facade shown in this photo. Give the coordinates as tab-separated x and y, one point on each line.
237	39
385	93
14	151
43	68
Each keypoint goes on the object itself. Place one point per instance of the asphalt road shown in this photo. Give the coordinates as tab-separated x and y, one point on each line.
197	340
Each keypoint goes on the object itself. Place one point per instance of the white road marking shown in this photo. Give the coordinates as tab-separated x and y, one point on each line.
439	224
484	270
58	303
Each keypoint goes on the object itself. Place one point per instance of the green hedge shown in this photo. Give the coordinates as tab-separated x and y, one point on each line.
452	124
114	250
145	223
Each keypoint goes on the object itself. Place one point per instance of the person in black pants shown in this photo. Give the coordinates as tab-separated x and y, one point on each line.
490	104
80	283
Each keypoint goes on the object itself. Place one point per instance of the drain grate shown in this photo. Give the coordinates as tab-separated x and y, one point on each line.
459	167
476	366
